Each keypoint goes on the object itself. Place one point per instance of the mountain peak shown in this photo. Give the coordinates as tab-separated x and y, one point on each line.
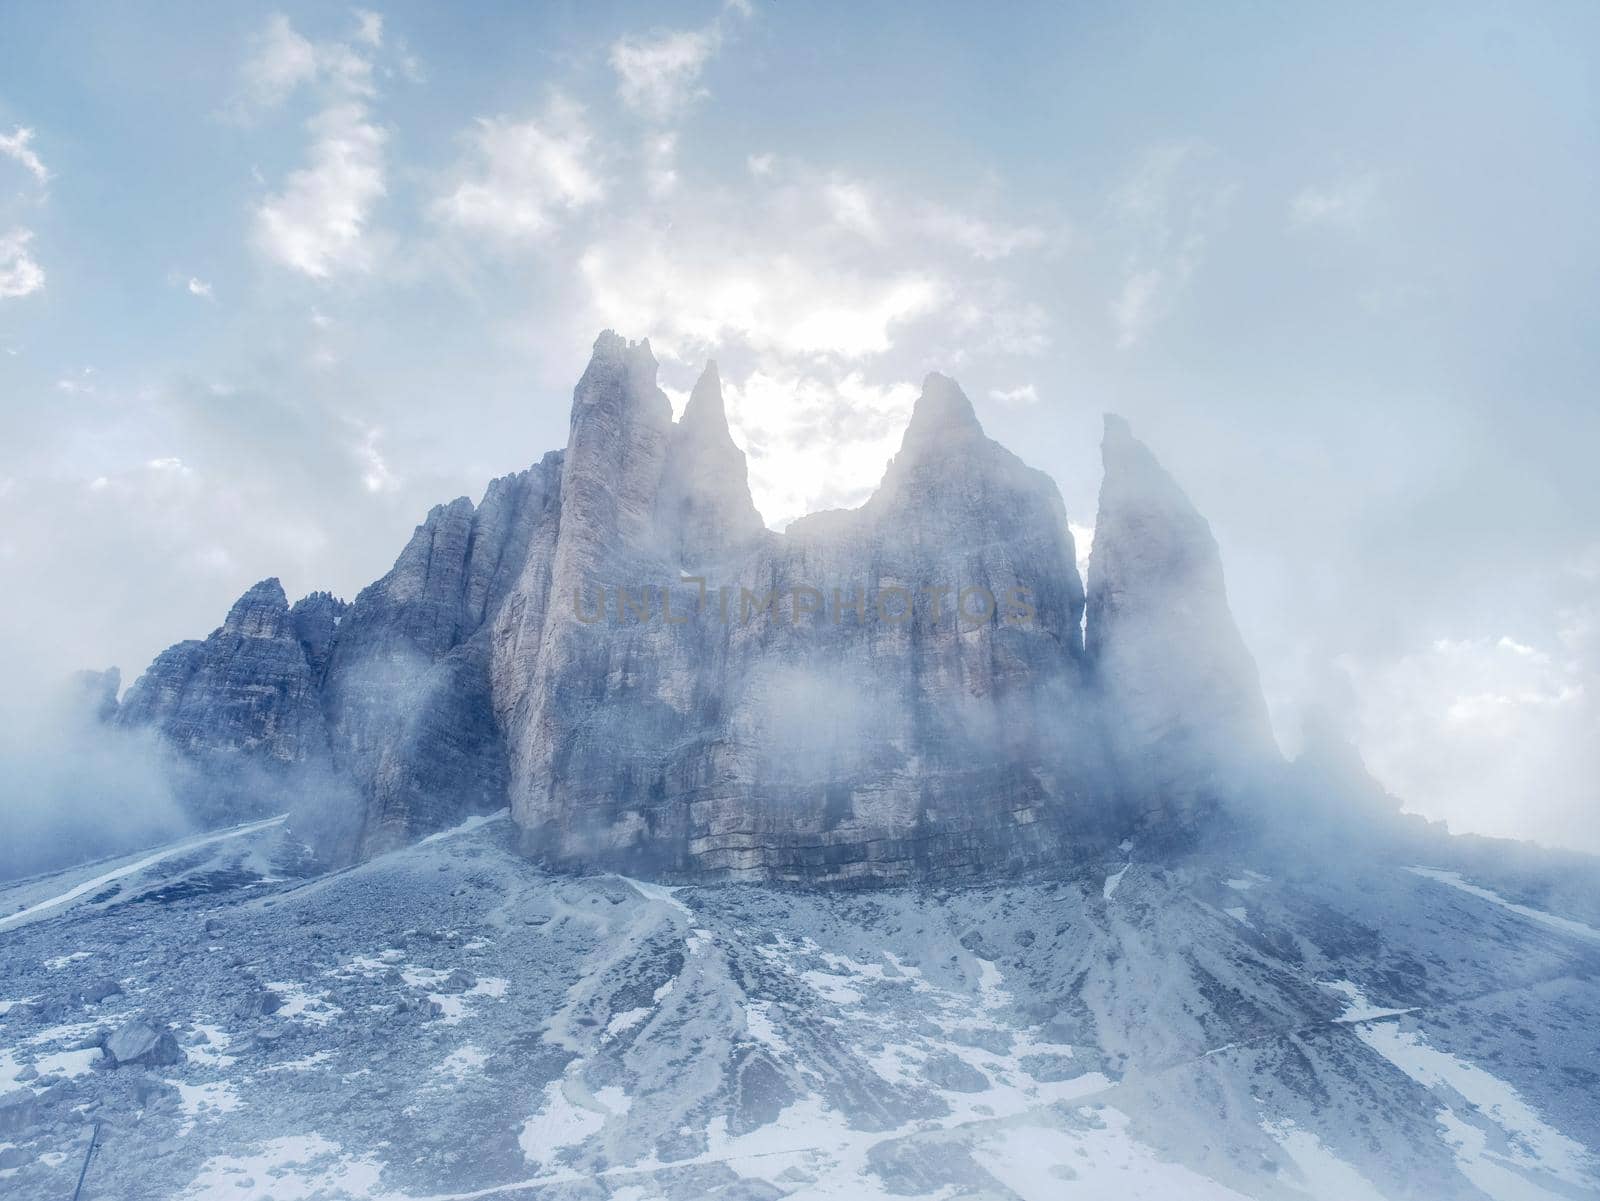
705	409
941	418
943	408
259	612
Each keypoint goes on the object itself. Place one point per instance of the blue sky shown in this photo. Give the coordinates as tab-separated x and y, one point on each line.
275	279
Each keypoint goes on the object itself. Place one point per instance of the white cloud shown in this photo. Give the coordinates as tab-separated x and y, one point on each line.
20	275
661	168
375	473
1022	394
856	264
522	178
369	27
660	76
984	240
1345	204
789	426
1134	306
694	296
83	385
198	287
317	223
18	145
1168	211
812	335
1492	733
853	208
282	61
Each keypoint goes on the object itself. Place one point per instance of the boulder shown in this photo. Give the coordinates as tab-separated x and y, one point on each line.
142	1042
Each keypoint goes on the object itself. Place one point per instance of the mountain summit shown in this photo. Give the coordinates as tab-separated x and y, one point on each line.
614	646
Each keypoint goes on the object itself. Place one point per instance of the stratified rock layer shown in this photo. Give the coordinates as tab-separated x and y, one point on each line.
613	644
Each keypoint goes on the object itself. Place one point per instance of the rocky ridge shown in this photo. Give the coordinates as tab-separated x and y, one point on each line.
613	645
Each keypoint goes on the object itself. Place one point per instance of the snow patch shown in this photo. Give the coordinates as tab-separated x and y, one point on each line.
561	1123
1359	1009
1114	879
205	1100
297	1168
659	893
70	1064
1564	924
1098	1159
466	827
1534	1146
1323	1175
298	1003
462	1062
211	1053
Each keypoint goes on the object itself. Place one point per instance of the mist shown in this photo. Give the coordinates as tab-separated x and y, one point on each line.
74	788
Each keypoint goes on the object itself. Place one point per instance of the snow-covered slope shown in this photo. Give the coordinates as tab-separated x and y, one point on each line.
449	1021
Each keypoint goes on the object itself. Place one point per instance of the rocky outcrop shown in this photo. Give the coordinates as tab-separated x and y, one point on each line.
1180	698
613	644
141	1042
373	720
240	708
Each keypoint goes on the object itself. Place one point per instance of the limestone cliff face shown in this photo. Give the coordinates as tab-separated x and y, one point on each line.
613	644
1180	698
708	729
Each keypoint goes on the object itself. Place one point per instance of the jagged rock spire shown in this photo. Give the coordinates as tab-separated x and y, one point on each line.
705	410
704	506
1183	703
942	414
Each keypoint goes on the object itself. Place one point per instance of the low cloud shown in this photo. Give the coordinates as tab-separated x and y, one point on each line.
72	788
1494	734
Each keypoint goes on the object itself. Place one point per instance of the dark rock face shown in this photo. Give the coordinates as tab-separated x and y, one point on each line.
407	690
613	644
